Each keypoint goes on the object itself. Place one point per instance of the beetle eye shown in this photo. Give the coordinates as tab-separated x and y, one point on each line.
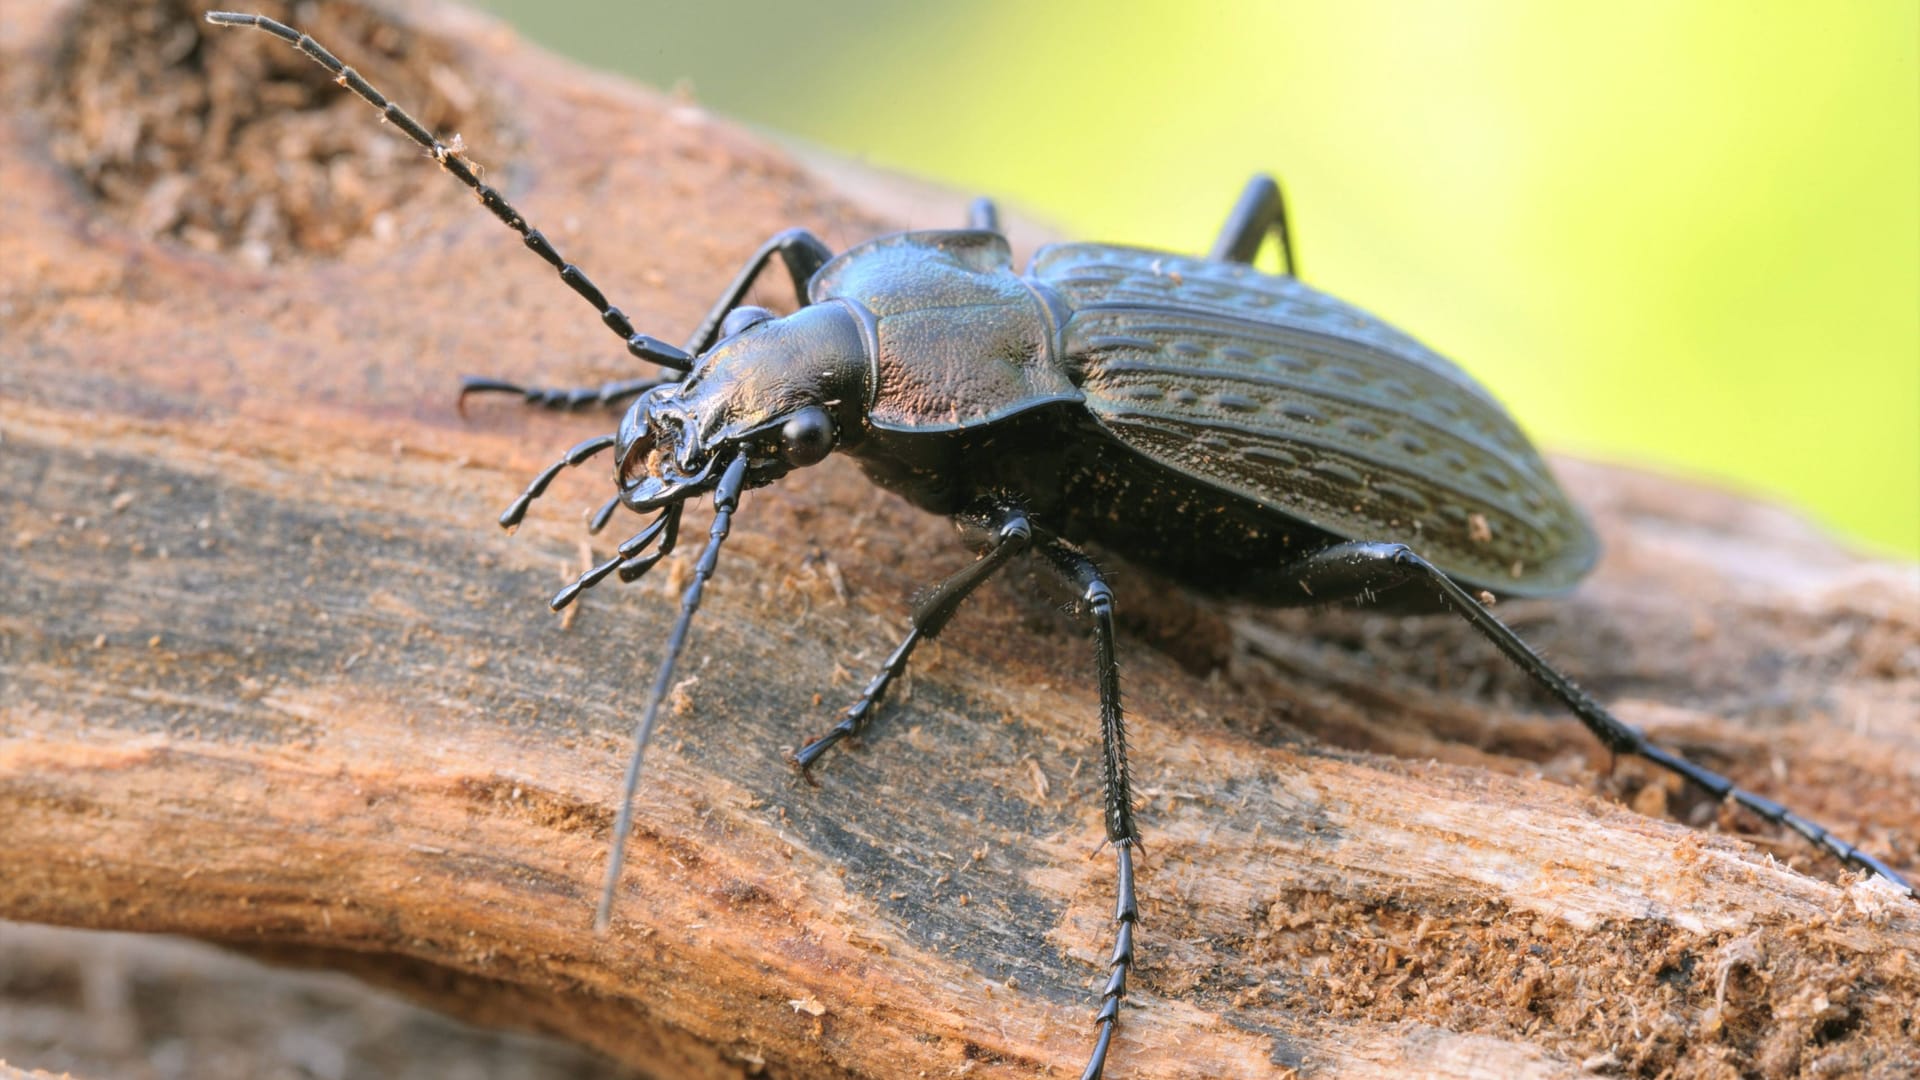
807	436
742	317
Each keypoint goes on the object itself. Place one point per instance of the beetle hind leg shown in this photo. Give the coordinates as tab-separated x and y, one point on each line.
1262	209
1358	569
1009	532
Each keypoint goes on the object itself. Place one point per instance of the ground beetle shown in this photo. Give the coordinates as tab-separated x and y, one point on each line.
1234	430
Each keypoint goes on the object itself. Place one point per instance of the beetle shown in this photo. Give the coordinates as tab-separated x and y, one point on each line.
1236	431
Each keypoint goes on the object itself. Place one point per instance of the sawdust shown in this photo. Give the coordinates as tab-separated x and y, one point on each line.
1785	998
231	141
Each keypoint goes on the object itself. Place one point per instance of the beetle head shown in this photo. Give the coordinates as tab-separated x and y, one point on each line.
785	392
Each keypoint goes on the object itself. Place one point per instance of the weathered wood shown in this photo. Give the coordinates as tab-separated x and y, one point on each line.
85	1003
269	677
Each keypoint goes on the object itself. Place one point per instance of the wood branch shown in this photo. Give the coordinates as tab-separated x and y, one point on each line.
270	677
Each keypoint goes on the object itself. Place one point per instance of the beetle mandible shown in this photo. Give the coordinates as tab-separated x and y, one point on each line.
1234	430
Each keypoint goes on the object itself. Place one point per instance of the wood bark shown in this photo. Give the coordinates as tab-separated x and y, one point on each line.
270	677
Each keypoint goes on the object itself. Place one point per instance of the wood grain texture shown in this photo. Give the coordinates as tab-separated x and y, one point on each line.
270	677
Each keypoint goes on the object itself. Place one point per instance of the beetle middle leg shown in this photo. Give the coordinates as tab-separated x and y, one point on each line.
1359	569
1009	534
1074	566
1262	208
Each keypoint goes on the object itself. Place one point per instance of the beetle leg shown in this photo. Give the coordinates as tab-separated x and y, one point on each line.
1010	533
1079	571
1074	566
568	398
1355	569
983	214
1262	208
801	251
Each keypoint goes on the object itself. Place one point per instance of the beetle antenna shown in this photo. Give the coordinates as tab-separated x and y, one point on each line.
726	497
510	518
640	345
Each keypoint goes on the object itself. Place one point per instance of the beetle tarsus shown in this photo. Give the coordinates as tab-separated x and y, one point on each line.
860	713
804	757
1119	965
567	399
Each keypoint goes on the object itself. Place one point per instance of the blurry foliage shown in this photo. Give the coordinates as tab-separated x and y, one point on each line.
1678	234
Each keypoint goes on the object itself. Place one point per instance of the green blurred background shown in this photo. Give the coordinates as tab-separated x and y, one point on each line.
1685	235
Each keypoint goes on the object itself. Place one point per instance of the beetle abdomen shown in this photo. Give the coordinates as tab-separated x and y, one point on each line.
1262	387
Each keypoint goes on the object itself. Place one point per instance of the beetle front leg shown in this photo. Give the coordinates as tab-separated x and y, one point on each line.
801	251
1262	208
1359	569
1010	532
